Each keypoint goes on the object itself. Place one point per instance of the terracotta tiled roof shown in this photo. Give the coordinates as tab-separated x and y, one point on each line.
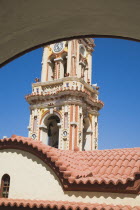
116	166
63	204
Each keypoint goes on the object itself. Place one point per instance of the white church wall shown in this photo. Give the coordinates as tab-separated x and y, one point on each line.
31	178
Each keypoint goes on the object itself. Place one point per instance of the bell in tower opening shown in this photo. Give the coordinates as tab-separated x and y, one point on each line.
64	106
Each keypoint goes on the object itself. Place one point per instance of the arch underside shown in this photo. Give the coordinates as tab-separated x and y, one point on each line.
45	23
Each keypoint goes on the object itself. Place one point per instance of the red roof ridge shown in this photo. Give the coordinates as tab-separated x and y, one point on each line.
63	204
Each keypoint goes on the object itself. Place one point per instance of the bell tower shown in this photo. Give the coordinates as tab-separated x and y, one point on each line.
64	106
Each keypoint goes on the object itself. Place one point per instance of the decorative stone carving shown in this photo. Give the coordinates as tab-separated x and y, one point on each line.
67	98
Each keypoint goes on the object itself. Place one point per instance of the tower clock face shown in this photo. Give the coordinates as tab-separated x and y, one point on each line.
58	47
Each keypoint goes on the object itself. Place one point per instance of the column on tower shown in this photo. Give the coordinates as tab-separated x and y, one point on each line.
56	68
74	45
34	123
95	132
44	134
60	134
69	57
59	68
86	74
80	129
47	66
64	139
49	71
83	63
78	67
29	127
74	126
89	61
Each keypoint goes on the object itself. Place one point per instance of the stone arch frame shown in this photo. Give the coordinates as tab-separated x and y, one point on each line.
43	129
47	113
117	19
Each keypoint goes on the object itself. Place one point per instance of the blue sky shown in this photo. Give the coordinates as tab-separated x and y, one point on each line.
116	69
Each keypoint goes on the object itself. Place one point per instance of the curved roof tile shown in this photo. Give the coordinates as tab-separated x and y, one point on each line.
63	204
116	166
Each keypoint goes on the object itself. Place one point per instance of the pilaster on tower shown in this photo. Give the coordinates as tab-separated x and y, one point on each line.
64	106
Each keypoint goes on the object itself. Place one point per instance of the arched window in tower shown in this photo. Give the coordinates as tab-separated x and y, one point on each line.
53	130
5	185
65	66
50	130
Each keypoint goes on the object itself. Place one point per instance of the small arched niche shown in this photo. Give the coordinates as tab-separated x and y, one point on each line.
50	130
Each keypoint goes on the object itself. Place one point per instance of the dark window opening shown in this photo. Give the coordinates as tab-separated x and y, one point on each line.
53	130
65	68
5	184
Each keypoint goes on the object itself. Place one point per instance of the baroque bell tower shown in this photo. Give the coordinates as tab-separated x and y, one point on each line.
64	106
